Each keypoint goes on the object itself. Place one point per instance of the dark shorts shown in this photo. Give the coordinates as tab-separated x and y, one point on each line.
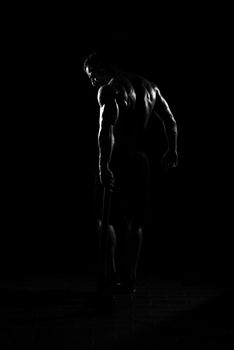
130	198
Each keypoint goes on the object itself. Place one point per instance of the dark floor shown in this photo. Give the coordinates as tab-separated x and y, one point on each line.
59	311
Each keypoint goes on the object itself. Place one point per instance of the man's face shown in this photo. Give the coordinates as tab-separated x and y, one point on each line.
97	76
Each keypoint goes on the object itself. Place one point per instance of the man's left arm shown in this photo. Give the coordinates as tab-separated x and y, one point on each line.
162	110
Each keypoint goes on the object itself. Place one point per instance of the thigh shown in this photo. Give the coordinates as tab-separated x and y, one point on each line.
97	198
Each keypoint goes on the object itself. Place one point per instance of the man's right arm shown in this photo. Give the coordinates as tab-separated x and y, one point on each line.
107	118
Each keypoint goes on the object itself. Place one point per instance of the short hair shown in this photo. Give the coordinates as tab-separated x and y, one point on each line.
95	59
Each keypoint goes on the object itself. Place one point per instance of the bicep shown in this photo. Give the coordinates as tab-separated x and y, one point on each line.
108	106
108	114
107	119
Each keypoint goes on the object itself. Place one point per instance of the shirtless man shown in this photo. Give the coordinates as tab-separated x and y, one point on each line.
126	102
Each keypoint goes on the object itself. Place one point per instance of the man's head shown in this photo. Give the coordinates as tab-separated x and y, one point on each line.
98	69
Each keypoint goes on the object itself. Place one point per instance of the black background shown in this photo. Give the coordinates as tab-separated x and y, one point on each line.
49	148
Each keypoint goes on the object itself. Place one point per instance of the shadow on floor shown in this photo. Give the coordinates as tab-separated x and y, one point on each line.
162	315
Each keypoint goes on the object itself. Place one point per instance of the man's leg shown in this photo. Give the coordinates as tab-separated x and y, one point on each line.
132	251
111	247
133	246
105	301
138	200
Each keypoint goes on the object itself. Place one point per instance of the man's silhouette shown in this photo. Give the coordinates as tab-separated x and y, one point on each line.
126	102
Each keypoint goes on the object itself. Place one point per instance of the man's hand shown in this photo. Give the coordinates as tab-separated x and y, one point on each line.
169	160
106	178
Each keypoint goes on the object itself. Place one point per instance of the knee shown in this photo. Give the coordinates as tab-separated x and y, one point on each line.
99	225
111	233
110	228
135	228
139	232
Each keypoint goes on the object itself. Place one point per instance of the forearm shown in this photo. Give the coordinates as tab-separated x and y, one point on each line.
105	146
170	127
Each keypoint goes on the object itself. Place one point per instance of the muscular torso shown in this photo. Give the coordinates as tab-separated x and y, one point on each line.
135	97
